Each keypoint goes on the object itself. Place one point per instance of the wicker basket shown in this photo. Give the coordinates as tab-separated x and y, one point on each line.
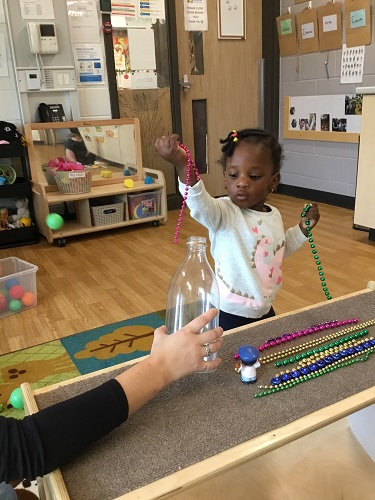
106	211
73	182
49	174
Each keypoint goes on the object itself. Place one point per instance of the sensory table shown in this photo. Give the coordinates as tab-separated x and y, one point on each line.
209	423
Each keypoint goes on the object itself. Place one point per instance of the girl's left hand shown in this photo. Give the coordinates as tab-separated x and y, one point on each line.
312	215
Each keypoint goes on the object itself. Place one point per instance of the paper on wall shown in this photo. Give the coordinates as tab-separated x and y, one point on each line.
89	63
83	21
352	61
37	9
195	15
141	49
4	70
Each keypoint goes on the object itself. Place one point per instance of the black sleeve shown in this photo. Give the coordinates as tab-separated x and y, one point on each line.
46	440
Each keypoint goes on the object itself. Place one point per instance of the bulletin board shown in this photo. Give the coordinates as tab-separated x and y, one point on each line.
335	118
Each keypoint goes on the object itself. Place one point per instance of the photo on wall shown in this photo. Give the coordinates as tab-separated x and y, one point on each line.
338	124
324	123
303	124
312	121
353	104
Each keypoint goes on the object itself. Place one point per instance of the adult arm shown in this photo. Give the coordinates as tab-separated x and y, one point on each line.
44	441
70	156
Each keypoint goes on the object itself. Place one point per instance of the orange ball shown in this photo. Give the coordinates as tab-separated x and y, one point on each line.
28	299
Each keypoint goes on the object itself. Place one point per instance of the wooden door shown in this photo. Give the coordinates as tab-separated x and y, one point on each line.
229	83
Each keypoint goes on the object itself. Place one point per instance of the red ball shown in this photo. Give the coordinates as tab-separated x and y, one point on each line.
16	292
3	303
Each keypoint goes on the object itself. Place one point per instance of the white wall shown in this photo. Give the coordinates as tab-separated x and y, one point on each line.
10	108
323	166
20	107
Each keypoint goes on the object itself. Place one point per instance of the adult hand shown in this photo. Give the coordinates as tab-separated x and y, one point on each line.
181	353
172	357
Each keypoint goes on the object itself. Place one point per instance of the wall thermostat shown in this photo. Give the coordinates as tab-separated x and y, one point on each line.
33	80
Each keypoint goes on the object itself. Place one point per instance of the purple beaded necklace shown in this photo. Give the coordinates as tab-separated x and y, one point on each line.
190	166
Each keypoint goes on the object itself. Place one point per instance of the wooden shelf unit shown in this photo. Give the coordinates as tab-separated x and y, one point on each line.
46	197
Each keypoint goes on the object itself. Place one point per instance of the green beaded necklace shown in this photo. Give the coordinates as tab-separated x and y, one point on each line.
315	252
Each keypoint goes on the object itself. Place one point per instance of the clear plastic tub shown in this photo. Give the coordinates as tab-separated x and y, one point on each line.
142	205
17	286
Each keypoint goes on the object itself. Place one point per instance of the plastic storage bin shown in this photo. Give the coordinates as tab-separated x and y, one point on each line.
17	285
106	211
142	205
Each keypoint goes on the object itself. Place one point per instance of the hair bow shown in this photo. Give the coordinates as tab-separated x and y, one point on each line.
234	136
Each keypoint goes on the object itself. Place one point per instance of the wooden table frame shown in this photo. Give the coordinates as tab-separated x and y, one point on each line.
53	483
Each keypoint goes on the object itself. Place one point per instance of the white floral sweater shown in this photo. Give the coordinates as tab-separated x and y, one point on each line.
248	248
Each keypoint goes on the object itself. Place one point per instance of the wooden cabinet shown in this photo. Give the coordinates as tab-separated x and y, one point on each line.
124	153
364	210
19	189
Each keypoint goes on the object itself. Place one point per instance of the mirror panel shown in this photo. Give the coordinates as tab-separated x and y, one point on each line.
101	144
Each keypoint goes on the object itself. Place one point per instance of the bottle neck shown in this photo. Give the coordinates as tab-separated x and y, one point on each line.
196	248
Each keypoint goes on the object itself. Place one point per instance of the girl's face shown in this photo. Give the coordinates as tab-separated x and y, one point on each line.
249	177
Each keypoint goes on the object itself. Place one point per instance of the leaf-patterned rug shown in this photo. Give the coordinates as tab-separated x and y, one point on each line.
75	355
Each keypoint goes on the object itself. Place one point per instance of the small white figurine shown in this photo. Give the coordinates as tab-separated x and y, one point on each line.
248	355
22	210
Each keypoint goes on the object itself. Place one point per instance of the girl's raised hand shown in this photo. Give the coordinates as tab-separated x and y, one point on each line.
168	148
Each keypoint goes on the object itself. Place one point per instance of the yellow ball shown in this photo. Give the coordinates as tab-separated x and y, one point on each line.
106	173
25	221
128	183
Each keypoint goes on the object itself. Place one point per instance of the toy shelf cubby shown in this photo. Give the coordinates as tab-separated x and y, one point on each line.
19	189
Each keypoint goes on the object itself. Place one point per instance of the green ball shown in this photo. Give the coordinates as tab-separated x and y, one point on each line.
16	399
15	305
54	221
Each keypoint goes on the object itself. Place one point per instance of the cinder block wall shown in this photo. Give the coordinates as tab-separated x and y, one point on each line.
327	167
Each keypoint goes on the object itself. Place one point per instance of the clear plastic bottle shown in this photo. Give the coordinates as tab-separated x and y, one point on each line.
193	289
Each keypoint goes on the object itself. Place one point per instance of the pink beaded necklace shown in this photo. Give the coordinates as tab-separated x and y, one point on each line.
190	166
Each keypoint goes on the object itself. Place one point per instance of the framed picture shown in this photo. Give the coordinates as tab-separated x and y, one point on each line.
232	19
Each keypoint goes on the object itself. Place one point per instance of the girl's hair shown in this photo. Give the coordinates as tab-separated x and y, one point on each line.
252	136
